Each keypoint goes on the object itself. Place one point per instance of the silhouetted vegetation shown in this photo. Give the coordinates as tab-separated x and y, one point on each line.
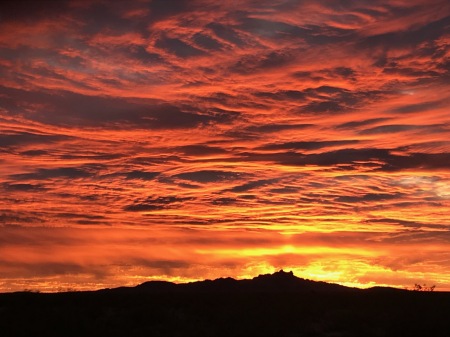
269	305
424	287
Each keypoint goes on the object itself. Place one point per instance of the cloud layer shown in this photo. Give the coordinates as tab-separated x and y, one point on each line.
190	139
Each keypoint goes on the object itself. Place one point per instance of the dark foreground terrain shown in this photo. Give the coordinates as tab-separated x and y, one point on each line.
268	305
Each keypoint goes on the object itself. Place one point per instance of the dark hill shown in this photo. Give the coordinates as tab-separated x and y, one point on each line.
268	305
278	282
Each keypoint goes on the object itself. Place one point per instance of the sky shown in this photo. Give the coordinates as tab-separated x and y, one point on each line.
189	140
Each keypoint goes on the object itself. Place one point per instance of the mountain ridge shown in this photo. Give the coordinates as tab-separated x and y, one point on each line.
280	281
278	304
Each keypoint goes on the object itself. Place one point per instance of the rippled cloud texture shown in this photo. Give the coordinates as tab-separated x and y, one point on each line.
183	140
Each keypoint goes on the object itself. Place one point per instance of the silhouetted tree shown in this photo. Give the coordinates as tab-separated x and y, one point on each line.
424	287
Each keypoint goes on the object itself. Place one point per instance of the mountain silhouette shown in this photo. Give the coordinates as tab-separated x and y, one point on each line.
278	304
280	281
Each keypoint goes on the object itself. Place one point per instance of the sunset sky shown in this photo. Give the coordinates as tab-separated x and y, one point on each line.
185	140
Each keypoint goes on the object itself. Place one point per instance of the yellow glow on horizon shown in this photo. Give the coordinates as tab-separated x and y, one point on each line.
287	249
